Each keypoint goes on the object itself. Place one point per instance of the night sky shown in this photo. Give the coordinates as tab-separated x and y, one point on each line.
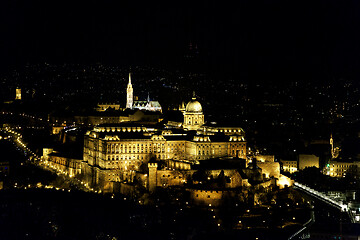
255	39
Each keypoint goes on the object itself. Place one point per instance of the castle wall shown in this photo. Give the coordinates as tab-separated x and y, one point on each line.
178	165
270	169
235	178
167	178
211	198
127	189
68	166
284	181
265	158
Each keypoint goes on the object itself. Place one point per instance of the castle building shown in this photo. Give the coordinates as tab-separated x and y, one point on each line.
152	155
114	152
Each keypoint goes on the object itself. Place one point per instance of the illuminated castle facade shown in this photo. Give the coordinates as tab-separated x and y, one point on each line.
121	157
115	153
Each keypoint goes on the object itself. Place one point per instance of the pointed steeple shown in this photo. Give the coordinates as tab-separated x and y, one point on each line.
331	139
129	93
148	98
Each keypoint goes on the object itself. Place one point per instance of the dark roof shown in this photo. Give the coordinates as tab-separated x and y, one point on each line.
125	135
152	160
178	131
228	123
175	116
126	124
177	137
219	138
242	174
147	113
78	155
221	163
108	113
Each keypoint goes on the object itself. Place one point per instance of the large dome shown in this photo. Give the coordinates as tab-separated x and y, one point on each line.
193	106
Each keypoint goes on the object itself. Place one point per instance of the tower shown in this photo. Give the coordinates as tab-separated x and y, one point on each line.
335	151
18	94
129	94
332	144
152	176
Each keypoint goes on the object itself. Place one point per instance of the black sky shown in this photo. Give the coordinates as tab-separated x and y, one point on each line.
284	39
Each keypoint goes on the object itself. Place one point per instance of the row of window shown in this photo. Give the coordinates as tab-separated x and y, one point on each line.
132	145
117	157
117	147
230	130
238	145
121	162
207	146
137	150
169	176
342	166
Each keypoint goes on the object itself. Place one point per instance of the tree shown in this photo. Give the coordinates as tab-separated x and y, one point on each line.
221	179
201	175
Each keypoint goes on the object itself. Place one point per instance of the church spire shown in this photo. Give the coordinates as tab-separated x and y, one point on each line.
148	98
129	94
332	144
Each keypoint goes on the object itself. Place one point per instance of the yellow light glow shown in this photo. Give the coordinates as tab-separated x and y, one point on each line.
283	180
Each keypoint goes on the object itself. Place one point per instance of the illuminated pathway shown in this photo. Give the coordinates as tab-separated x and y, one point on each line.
323	197
35	159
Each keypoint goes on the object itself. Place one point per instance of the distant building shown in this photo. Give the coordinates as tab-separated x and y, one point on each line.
56	129
141	105
270	169
341	168
308	160
18	94
265	158
289	165
105	106
147	105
